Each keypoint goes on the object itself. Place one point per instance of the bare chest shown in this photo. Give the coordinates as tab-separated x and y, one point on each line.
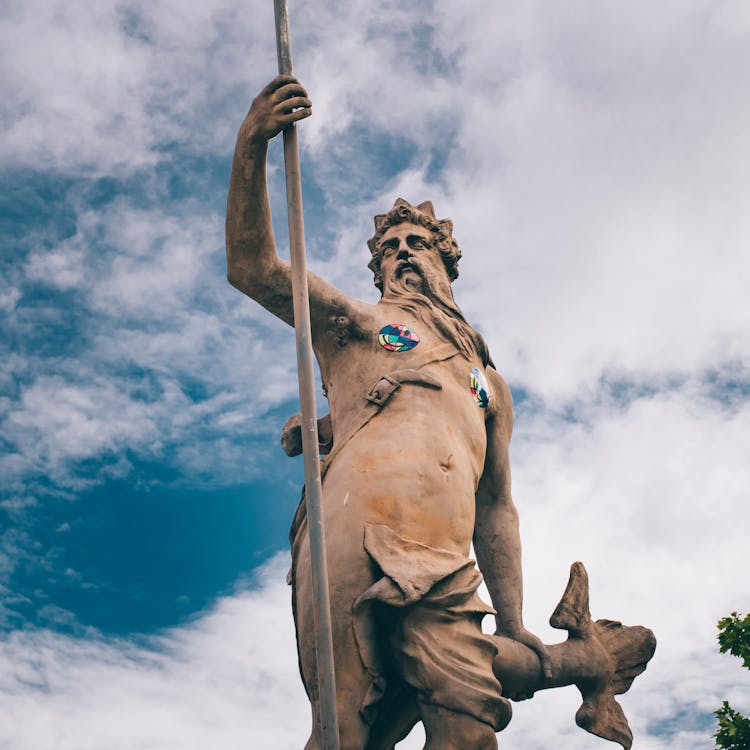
415	381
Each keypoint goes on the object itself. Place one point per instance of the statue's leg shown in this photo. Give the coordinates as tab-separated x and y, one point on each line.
451	730
447	661
351	570
396	717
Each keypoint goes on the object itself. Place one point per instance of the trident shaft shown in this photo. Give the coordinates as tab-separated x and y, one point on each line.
313	487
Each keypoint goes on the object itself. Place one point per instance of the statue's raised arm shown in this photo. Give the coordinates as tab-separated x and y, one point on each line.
253	265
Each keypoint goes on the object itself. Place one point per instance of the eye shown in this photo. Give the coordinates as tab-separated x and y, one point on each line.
388	247
418	242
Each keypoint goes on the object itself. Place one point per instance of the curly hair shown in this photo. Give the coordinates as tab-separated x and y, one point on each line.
423	215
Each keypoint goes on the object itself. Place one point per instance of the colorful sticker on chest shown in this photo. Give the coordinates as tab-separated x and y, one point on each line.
397	338
479	388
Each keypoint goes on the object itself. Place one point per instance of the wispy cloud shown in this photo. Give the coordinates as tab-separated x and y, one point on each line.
106	89
227	680
165	352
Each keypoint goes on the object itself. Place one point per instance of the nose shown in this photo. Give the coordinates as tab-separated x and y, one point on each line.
404	251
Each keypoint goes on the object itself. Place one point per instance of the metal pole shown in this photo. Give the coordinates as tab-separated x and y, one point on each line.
313	488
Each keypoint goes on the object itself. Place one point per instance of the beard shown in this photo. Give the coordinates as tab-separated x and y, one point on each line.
420	289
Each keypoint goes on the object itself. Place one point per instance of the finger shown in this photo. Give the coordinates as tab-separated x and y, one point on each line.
293	117
547	666
290	105
288	91
544	660
278	82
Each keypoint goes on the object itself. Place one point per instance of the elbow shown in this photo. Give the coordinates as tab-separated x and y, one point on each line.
232	268
249	281
239	271
235	276
240	278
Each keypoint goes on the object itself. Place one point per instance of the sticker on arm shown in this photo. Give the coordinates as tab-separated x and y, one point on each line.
479	388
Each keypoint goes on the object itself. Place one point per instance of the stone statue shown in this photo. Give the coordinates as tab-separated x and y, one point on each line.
416	469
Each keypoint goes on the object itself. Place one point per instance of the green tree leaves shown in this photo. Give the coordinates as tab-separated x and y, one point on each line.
734	636
734	728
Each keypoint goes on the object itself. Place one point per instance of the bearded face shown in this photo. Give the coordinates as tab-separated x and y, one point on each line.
411	264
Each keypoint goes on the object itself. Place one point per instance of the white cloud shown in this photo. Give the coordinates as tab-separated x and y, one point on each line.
652	498
57	421
655	493
76	95
168	356
104	89
60	421
130	262
372	66
227	680
608	199
8	299
62	267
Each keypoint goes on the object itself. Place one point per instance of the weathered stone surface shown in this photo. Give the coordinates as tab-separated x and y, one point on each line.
416	469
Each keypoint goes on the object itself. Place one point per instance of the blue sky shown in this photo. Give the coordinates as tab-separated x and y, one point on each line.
594	161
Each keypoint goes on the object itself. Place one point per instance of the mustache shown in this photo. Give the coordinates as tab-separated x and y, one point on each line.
435	288
408	264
